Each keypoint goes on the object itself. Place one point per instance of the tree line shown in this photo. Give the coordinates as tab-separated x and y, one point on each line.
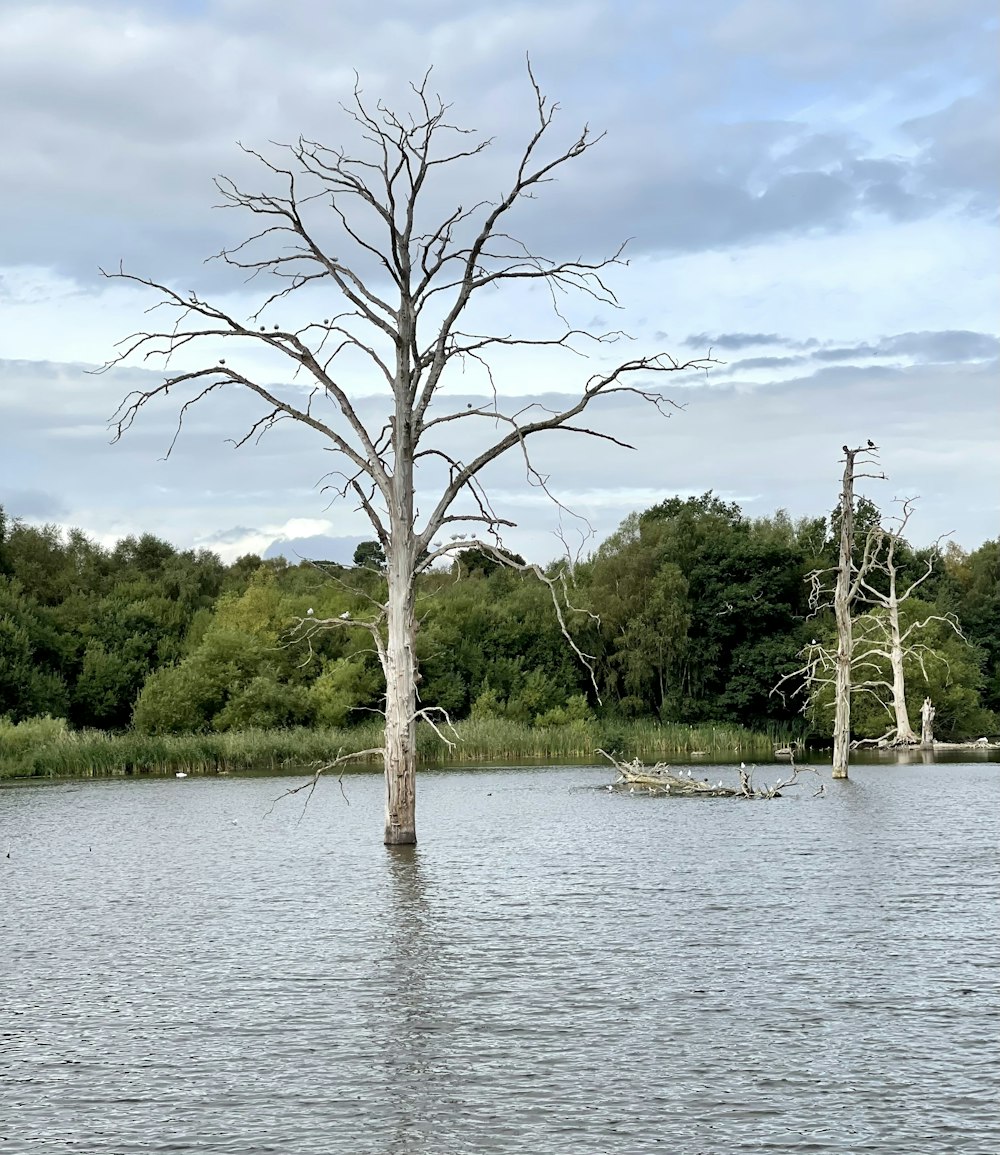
690	612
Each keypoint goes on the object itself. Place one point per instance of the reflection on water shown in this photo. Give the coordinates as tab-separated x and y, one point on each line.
413	1019
554	969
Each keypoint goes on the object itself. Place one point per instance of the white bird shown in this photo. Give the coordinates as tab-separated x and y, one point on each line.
609	788
743	765
345	616
309	612
720	783
180	774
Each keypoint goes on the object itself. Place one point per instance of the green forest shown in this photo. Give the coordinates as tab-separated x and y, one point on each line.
691	611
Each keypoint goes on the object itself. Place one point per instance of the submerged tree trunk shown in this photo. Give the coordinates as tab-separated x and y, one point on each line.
400	710
400	665
405	280
842	609
400	659
927	724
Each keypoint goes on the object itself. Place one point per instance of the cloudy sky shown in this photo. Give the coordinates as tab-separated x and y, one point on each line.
810	190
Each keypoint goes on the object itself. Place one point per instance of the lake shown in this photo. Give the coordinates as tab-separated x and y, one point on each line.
554	969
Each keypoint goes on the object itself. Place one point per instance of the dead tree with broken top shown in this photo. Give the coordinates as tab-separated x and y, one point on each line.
823	667
879	644
849	579
358	237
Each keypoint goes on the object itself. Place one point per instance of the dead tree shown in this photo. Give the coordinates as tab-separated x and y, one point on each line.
849	579
927	713
880	634
405	275
664	779
822	667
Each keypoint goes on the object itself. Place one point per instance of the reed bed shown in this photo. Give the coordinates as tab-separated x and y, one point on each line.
497	739
48	748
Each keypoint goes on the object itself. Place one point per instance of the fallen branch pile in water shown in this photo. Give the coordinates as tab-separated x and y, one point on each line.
663	779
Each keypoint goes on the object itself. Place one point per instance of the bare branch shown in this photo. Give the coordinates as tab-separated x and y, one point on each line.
351	226
321	770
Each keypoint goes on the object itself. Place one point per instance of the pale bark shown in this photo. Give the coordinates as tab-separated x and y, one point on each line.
927	724
404	321
897	643
824	667
904	731
663	779
842	610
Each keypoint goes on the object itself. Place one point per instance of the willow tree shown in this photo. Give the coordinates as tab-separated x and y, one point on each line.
363	232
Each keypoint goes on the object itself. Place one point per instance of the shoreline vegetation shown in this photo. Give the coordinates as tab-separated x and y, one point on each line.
49	748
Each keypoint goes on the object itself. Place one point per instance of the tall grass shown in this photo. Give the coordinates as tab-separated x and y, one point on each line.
47	747
493	739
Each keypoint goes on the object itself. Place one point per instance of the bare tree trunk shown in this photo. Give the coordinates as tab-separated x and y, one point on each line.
424	279
895	646
400	711
927	725
904	731
400	659
842	609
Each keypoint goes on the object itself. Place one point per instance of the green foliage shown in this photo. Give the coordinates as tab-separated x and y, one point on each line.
699	611
938	664
174	700
257	611
370	555
21	743
264	704
106	684
970	588
188	696
43	748
575	711
29	681
493	643
471	562
691	611
6	566
345	686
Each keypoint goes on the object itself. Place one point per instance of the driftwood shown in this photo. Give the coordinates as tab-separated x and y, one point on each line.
663	779
788	750
978	744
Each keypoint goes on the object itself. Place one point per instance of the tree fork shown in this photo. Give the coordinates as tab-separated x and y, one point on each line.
405	291
849	579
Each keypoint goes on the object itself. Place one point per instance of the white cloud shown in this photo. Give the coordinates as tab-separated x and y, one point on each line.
821	173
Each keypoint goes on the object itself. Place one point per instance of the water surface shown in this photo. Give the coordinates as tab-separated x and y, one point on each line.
554	969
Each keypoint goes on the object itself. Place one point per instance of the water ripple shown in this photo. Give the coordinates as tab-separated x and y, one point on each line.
554	969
